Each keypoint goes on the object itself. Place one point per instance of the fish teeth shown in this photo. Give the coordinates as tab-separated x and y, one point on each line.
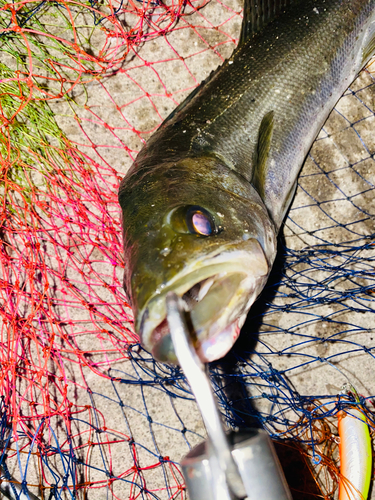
205	286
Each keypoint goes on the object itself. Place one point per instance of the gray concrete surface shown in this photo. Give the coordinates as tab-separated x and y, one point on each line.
327	178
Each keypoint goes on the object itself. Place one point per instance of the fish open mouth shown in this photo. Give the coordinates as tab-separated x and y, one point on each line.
217	294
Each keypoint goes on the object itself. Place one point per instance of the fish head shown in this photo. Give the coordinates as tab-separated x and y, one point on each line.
199	229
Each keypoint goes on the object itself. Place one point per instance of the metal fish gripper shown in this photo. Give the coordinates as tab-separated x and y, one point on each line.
233	466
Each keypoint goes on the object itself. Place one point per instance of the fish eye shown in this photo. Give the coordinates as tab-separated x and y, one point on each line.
192	219
199	221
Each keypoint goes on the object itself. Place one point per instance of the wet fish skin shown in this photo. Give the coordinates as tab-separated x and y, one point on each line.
235	147
236	206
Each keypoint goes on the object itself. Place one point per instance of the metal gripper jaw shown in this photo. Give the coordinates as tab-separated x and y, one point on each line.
234	466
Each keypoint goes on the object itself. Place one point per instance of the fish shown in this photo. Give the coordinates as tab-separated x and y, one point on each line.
206	196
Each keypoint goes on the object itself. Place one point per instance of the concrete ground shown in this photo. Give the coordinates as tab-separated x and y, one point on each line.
323	340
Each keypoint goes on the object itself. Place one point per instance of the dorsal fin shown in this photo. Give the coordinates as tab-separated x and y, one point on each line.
262	153
258	13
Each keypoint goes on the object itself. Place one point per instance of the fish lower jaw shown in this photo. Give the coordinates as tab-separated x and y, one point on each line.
215	320
217	293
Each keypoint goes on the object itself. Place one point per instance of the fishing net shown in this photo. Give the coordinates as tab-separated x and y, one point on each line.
85	412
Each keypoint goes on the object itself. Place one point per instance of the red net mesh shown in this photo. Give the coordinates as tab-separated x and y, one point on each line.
72	84
82	85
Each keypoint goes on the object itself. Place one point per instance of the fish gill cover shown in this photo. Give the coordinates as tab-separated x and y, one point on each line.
85	412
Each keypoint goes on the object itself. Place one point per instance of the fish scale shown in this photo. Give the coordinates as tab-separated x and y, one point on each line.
287	69
231	153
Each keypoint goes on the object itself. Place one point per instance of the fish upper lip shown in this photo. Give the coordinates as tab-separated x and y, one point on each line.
247	258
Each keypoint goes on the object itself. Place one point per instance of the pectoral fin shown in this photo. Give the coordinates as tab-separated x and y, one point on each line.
258	13
262	153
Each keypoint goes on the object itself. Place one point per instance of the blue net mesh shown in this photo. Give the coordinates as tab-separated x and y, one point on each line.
130	419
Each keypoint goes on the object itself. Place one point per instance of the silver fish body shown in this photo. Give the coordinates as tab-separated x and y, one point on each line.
205	198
